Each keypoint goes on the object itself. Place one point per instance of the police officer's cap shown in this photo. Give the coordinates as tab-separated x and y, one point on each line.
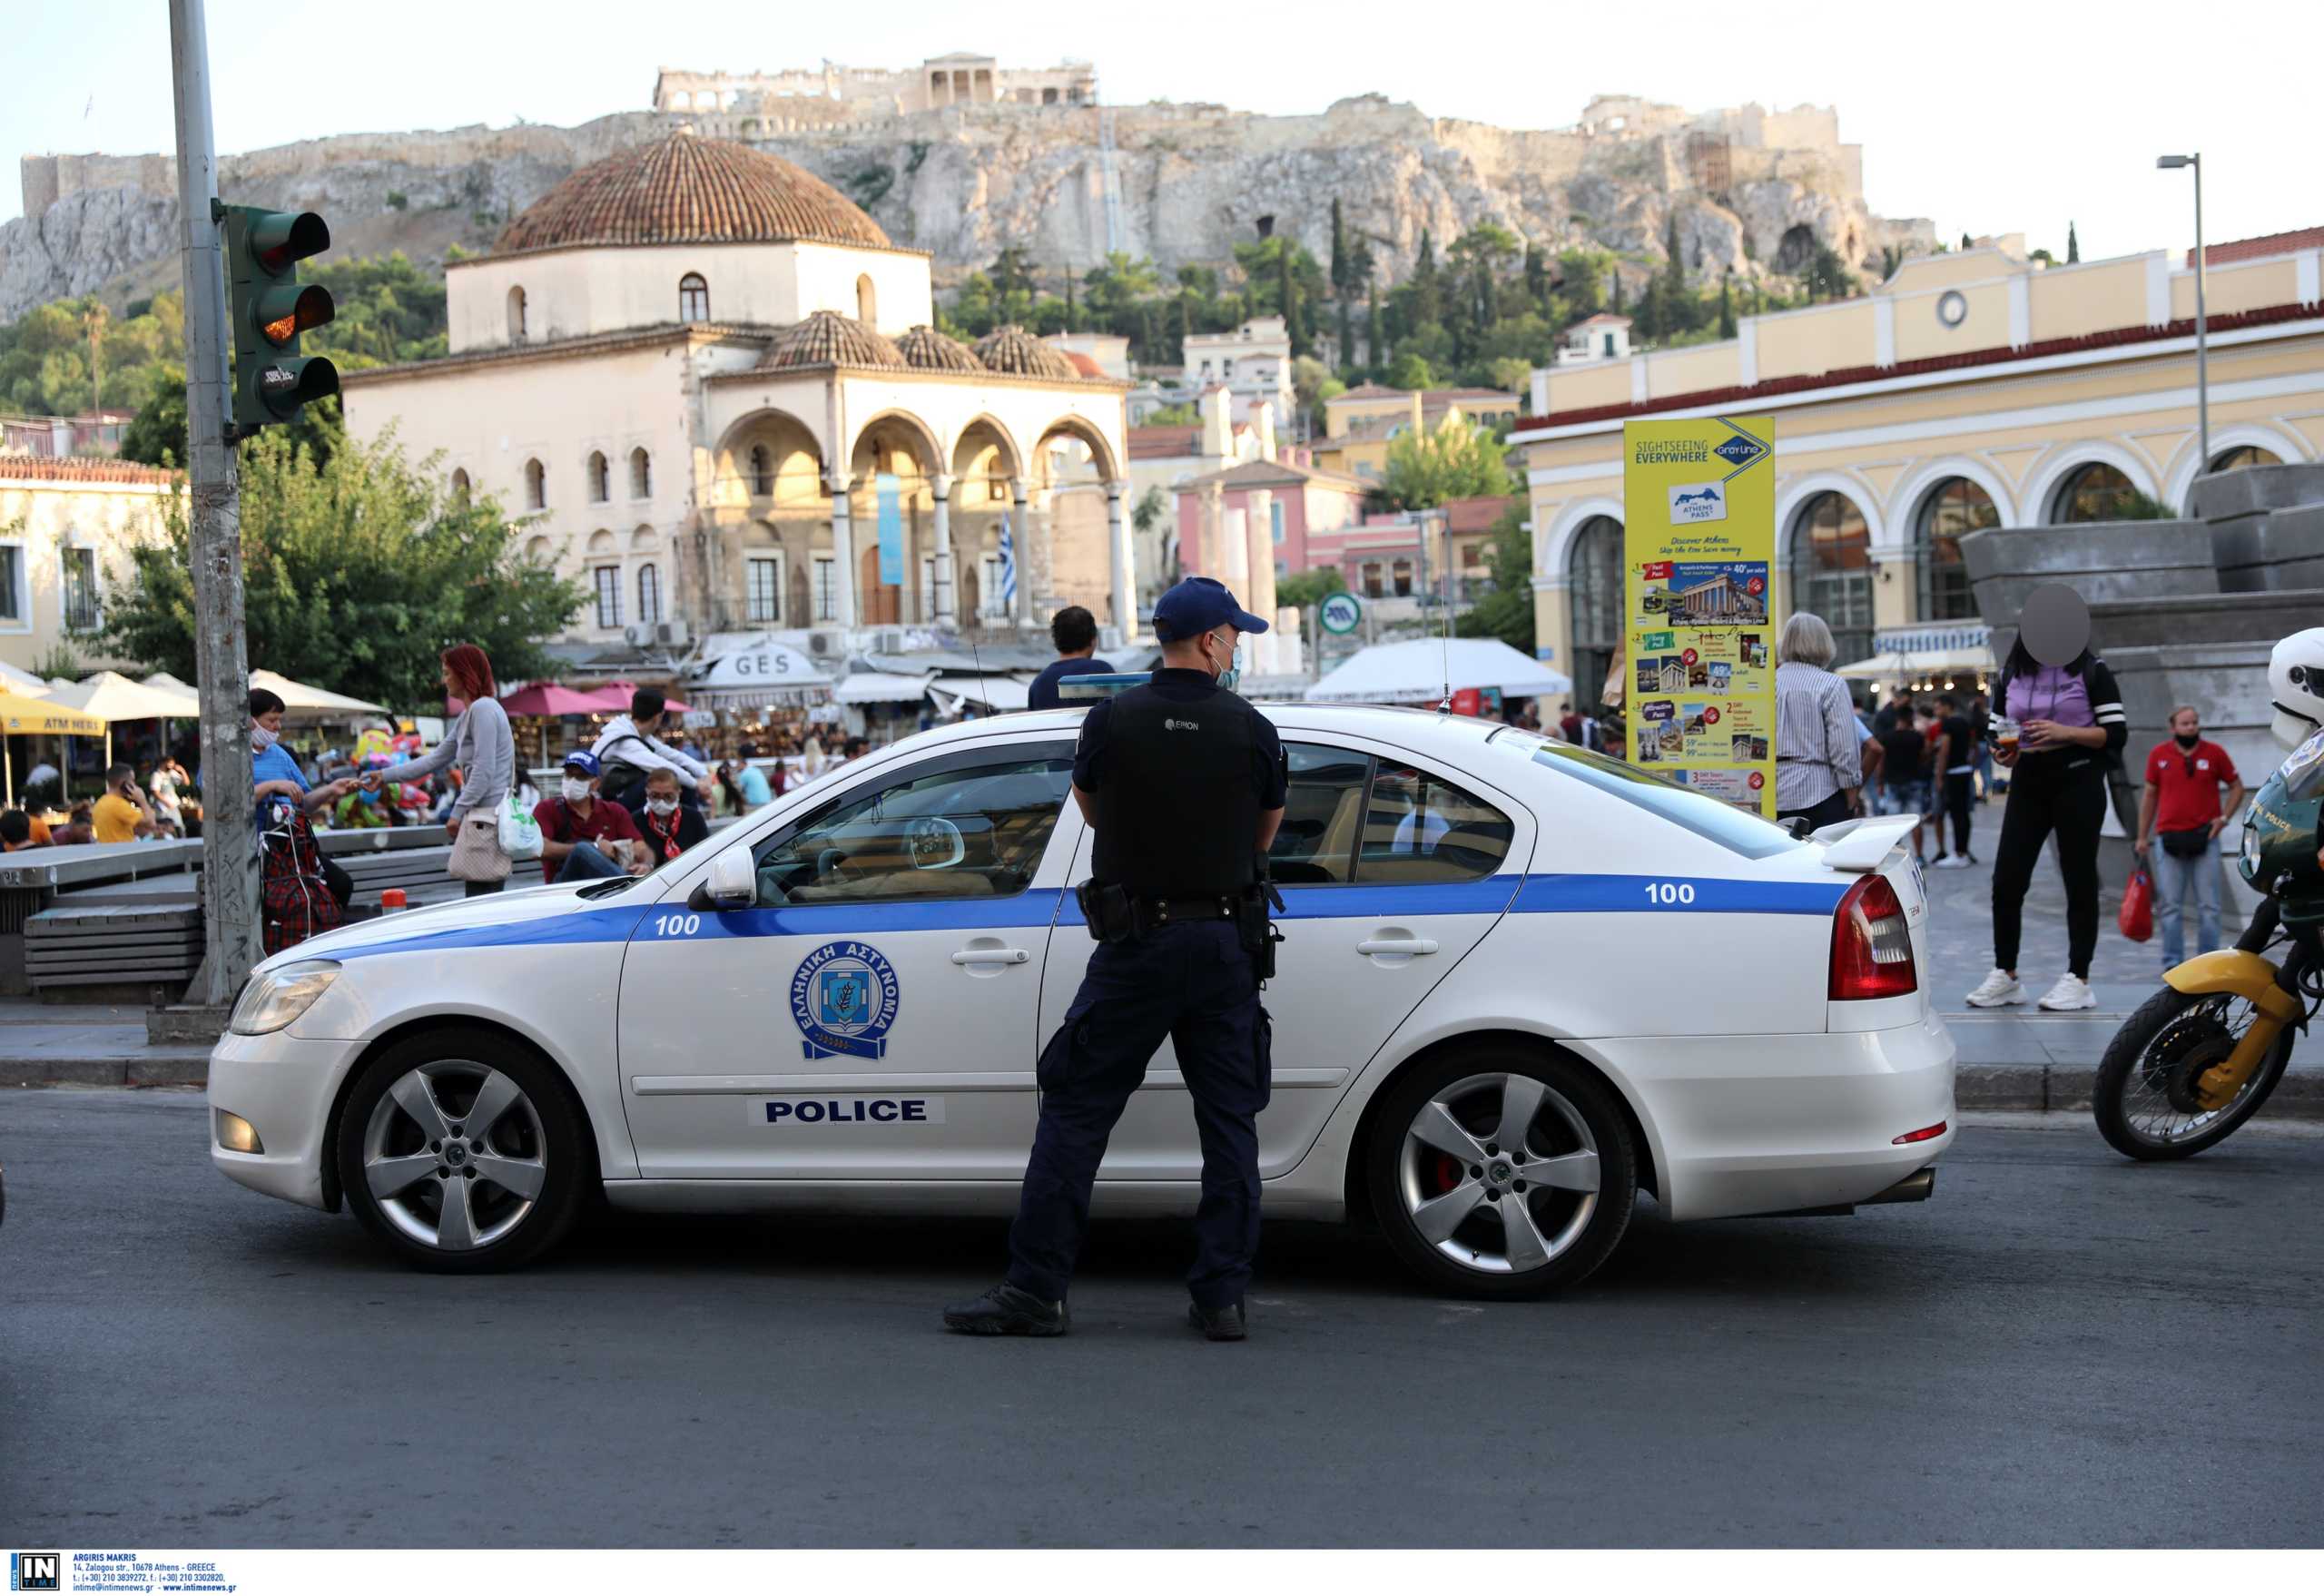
1199	605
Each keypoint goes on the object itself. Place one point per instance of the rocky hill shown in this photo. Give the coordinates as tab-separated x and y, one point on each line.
1752	192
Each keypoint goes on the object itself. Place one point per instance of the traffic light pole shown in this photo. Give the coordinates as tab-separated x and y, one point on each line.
230	887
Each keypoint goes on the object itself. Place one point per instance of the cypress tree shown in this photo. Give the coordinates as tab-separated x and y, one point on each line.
1288	298
1069	300
2073	246
1727	304
1371	338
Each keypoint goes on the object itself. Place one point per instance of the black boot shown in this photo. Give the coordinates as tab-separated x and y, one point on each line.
1007	1311
1218	1323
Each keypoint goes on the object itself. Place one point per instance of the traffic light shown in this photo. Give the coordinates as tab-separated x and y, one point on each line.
263	249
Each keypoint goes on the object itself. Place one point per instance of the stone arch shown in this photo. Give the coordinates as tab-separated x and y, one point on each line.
769	455
645	540
2042	485
599	476
1799	490
1905	503
2186	466
538	550
1087	434
884	430
867	301
535	486
602	545
984	451
641	473
459	485
515	314
1556	548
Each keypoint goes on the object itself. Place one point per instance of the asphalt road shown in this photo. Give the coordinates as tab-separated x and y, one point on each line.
2061	1348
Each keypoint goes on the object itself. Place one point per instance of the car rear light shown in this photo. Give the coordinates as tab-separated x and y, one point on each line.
1872	945
1926	1133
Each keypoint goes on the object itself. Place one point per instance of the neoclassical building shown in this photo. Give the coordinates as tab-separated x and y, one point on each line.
1971	389
710	385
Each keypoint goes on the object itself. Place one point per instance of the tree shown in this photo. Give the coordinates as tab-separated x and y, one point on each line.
93	320
359	569
2073	246
1966	243
1828	277
1505	610
1458	460
156	436
1409	371
1727	304
1372	340
1308	377
1341	283
1294	324
1069	302
1309	587
1147	513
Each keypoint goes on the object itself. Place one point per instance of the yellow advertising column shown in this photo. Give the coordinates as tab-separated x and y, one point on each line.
1700	544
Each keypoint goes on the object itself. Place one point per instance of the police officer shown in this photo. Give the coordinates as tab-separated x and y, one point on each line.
1183	783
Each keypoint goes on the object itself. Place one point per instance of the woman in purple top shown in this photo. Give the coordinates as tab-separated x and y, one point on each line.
2071	727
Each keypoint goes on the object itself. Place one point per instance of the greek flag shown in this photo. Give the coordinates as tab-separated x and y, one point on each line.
1008	567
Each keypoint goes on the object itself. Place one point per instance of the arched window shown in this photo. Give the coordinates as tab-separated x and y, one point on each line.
461	487
2094	492
2250	454
535	486
1594	587
641	474
601	487
762	472
867	302
536	549
649	596
515	315
1831	570
1954	507
693	297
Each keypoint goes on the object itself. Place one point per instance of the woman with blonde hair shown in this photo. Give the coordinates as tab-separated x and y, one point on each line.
1818	739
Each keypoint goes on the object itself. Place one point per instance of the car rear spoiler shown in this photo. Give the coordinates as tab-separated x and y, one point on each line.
1857	846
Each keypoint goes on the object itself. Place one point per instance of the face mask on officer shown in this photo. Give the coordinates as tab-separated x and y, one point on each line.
1229	670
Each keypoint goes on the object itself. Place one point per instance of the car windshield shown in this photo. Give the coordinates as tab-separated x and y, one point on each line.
1709	818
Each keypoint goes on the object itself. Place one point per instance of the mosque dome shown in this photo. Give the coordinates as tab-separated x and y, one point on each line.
1012	351
685	189
826	337
925	349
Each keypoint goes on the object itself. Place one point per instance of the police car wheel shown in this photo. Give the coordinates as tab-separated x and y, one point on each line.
461	1150
1501	1172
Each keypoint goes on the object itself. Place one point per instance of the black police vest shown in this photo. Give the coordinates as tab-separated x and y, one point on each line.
1177	811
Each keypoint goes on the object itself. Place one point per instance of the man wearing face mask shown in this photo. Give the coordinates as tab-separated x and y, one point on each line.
668	826
1183	784
2182	806
578	829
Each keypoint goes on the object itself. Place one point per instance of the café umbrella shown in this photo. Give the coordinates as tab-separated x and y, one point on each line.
110	696
36	717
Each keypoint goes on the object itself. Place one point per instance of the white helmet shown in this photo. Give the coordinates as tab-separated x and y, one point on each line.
2296	685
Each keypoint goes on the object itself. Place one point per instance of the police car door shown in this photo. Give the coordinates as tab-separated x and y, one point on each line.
1390	873
871	1015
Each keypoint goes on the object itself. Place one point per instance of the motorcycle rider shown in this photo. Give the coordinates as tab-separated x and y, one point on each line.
2296	688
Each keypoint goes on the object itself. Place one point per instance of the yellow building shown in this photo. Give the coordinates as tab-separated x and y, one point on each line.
67	524
1359	424
1969	390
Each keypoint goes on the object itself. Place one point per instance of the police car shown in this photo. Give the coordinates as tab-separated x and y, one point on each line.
1518	983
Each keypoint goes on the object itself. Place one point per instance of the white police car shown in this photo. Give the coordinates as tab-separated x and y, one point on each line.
1518	983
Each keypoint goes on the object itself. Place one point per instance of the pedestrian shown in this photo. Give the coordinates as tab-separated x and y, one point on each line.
480	748
754	791
168	777
628	748
2183	807
2070	720
1074	631
667	827
121	815
1903	771
580	829
20	830
1981	730
1817	768
1953	769
277	785
1183	784
1568	724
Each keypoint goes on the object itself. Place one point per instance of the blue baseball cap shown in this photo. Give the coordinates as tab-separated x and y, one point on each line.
581	760
1199	605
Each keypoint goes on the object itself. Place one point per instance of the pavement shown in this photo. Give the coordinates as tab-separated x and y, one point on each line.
2013	1058
2061	1347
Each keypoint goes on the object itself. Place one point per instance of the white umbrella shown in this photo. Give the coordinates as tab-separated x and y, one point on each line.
994	692
881	687
297	698
25	683
1425	671
111	696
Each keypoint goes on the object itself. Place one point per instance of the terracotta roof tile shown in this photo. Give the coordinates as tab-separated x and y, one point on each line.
2253	248
826	337
690	190
1163	443
14	468
925	349
1015	352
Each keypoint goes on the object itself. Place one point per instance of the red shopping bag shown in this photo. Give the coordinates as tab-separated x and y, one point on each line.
2137	916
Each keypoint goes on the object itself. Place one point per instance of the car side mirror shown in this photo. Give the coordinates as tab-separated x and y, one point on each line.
733	879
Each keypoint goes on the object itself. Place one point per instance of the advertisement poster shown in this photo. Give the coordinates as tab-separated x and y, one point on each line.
1699	553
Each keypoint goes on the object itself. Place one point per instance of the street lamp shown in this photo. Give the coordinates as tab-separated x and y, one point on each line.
2203	339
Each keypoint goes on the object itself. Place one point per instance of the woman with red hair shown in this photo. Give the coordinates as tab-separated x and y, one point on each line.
482	744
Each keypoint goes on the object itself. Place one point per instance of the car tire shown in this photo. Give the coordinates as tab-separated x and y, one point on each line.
409	1131
1448	1219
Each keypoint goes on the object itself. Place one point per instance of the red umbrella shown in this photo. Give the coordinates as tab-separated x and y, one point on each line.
548	699
616	697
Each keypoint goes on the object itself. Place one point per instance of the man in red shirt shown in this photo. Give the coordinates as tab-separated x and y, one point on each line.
2182	807
578	830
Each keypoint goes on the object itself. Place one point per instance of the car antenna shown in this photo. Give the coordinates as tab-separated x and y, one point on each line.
1446	706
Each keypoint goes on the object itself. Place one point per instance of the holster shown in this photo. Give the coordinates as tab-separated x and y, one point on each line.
1108	910
1257	930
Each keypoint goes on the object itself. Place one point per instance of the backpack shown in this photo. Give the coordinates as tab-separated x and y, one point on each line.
294	901
619	781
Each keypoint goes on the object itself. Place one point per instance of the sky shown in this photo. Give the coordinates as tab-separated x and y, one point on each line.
1989	118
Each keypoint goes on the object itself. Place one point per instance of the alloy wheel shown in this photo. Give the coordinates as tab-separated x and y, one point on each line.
1500	1173
455	1155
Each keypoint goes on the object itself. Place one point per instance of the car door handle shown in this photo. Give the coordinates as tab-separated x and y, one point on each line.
991	956
1396	945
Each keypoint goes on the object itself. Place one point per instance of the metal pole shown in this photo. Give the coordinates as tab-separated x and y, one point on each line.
2202	334
229	886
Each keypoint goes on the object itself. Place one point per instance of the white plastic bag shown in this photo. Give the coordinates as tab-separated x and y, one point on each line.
520	834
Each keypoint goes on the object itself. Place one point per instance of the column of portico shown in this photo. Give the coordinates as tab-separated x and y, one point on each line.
842	552
1120	561
941	486
1020	544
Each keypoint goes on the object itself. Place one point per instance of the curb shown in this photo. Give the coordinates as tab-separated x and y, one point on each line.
176	1067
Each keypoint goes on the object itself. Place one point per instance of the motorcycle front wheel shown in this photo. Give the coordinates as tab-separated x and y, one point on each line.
2144	1096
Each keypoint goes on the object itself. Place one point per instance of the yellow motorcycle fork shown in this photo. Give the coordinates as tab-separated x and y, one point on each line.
2244	975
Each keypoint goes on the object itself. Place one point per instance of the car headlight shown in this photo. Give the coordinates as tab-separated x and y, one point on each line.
2250	852
276	997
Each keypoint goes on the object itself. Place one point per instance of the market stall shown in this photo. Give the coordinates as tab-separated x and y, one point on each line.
113	698
1430	670
21	717
759	693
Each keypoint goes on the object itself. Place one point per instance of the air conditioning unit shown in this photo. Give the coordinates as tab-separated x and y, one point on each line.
633	636
888	640
673	635
826	645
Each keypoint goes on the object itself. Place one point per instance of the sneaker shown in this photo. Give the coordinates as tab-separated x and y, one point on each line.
2070	992
1218	1323
1999	988
1007	1311
1951	862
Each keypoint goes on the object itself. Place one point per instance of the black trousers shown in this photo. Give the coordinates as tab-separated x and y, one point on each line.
1192	983
1959	797
2047	794
1830	810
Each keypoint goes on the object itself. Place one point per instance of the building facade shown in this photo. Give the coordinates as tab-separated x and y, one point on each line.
1971	389
960	78
67	524
708	383
1360	424
1253	362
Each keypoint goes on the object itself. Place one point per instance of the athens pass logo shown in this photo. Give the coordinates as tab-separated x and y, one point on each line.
844	999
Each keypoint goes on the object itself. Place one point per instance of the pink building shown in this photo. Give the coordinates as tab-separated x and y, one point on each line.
1305	508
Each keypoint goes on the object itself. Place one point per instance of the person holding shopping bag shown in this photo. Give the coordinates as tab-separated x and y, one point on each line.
481	745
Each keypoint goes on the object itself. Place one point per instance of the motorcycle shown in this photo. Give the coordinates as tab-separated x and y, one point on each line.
2198	1058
